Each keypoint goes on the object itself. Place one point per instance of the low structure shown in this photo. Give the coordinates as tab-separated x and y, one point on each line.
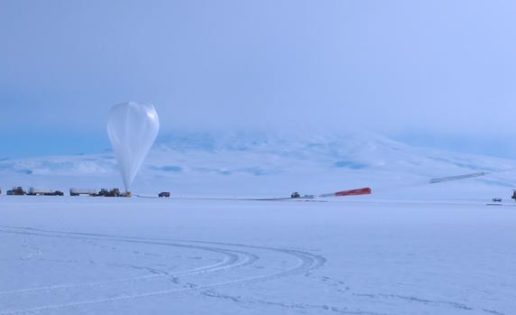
115	192
44	192
88	192
16	191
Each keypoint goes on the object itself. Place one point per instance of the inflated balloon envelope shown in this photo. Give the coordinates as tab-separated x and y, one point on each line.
132	129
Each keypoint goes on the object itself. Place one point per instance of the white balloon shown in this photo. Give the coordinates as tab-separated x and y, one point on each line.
132	129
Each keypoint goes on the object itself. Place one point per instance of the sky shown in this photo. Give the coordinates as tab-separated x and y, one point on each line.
438	73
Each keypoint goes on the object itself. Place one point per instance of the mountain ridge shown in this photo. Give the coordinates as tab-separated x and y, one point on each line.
321	159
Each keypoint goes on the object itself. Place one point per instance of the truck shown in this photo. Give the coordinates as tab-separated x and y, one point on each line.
16	191
79	191
44	192
115	192
164	194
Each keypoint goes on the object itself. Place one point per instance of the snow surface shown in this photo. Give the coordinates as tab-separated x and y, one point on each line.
410	248
149	256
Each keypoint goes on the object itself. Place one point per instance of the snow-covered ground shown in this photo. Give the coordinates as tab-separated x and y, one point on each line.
149	256
409	248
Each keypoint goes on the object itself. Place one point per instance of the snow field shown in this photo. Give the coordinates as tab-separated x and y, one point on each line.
354	256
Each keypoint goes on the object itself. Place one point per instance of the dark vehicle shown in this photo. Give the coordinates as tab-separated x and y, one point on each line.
497	199
514	195
16	191
296	195
115	192
164	194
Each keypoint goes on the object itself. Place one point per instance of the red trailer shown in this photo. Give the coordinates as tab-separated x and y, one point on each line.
350	192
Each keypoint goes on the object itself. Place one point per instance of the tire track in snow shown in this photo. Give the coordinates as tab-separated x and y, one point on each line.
303	307
231	260
457	306
306	263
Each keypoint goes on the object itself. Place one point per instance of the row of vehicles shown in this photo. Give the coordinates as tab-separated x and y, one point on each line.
19	191
74	192
115	192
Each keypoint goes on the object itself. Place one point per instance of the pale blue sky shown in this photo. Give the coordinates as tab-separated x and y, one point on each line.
417	70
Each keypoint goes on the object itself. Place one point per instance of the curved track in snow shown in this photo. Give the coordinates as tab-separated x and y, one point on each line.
238	264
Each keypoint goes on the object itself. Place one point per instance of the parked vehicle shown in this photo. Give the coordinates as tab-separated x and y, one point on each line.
16	191
115	192
44	192
89	192
164	194
295	195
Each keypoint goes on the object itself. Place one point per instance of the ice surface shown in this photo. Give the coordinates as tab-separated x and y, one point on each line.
146	256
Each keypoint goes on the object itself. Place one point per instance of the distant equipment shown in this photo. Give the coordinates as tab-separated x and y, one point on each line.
497	199
164	194
87	192
44	192
16	191
350	192
296	195
115	192
514	195
132	129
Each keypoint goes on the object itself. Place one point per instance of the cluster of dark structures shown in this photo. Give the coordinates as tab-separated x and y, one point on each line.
19	191
74	192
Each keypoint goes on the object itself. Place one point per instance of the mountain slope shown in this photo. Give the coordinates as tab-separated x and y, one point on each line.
262	163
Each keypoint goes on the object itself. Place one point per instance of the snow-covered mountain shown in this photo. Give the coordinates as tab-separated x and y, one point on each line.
265	163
